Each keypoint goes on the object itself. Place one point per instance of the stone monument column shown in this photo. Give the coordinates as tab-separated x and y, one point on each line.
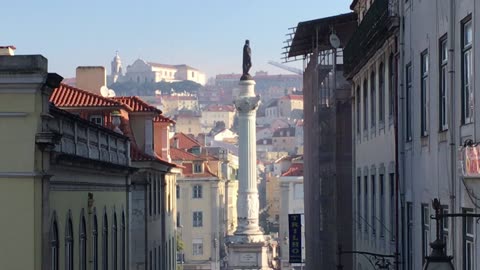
248	248
248	202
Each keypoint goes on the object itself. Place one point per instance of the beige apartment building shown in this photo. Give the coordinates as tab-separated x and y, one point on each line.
188	122
213	114
206	203
288	103
175	103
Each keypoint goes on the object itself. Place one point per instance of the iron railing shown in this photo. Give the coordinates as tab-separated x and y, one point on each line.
373	30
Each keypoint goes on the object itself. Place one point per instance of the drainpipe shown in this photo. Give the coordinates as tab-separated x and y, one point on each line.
452	125
401	161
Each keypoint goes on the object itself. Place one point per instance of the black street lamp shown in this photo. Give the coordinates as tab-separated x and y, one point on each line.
438	260
378	261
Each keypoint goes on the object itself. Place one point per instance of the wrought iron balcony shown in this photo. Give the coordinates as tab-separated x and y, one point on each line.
378	23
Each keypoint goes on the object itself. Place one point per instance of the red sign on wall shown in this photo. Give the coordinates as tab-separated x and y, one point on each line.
471	161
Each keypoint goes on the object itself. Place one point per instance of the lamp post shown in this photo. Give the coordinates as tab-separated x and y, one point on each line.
378	261
438	260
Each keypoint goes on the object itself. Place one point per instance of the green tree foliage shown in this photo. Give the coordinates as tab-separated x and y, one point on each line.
133	88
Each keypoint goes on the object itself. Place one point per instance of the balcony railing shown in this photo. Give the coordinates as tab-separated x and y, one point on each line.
378	23
67	134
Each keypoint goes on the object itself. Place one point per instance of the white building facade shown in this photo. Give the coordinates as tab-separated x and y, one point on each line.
439	115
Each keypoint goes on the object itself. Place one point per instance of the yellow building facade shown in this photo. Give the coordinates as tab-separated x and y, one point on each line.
63	180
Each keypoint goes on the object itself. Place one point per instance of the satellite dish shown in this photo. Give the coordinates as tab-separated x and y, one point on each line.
111	93
334	41
104	91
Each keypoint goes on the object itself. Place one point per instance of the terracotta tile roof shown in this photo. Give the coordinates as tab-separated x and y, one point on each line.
182	155
138	155
136	104
296	169
68	96
163	119
292	97
184	141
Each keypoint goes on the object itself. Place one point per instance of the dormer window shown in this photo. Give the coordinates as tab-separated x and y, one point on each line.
97	119
198	167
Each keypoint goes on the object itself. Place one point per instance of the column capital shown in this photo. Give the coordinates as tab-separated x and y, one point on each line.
247	104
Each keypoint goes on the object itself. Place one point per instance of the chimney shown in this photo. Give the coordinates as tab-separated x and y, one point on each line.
91	78
7	50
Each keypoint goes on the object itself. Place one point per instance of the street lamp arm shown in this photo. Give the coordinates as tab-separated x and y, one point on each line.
367	253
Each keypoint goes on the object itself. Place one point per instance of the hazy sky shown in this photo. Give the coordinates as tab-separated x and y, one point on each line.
208	35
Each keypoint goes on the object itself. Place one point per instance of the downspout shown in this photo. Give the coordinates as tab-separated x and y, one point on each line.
401	183
452	124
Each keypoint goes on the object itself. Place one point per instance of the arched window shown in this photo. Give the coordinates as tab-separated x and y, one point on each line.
365	104
381	93
358	105
95	240
114	242
123	242
391	86
83	243
105	241
69	243
373	99
54	243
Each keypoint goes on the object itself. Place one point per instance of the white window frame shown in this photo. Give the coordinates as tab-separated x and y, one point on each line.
197	219
97	119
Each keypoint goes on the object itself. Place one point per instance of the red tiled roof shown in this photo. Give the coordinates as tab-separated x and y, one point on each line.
68	96
163	119
137	104
184	141
292	97
138	155
178	154
296	169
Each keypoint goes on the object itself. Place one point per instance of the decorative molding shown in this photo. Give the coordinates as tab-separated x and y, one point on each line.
13	114
19	174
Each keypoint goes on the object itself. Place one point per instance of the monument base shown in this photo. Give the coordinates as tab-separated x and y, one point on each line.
250	256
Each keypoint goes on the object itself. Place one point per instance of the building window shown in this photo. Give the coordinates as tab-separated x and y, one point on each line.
365	203
365	107
409	236
123	243
408	102
298	191
359	203
155	259
442	108
54	244
95	240
197	249
425	231
424	93
391	86
179	224
445	226
154	190
114	243
197	219
382	205
178	192
381	93
392	204
358	110
198	167
83	243
197	191
468	242
151	261
373	97
374	210
97	119
467	72
69	244
149	191
105	242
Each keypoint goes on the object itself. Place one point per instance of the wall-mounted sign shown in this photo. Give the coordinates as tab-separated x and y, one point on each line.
295	238
470	156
